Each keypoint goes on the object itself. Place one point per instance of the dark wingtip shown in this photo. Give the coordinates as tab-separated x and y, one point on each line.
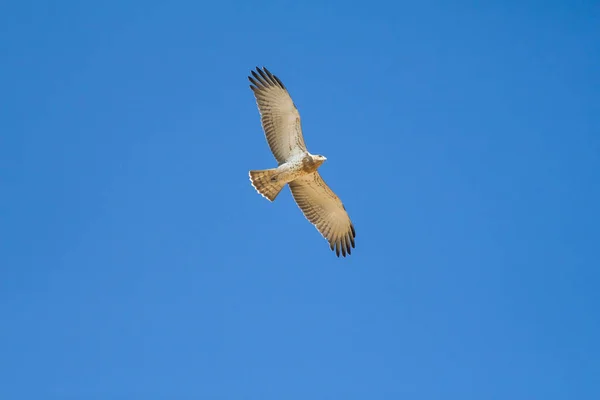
264	74
252	71
254	85
343	247
269	77
280	83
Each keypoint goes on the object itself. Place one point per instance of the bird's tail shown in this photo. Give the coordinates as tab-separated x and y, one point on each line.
265	182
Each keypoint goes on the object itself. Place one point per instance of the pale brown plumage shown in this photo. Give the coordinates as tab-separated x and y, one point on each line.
325	211
281	124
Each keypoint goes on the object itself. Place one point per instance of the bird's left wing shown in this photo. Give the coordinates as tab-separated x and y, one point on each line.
325	211
279	116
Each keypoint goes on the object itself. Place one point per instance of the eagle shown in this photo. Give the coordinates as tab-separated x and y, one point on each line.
297	167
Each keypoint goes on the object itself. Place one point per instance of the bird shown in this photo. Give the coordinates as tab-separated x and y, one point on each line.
297	167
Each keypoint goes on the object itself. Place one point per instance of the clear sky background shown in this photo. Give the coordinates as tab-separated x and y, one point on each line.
136	260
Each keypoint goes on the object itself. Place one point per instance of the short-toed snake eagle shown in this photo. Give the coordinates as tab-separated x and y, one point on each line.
297	167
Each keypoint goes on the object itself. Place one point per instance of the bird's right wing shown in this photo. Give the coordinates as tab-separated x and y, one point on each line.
325	211
279	116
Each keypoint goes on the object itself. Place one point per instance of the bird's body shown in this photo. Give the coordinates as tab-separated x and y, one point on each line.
297	167
290	170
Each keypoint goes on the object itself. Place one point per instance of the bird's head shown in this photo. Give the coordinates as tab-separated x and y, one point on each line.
319	159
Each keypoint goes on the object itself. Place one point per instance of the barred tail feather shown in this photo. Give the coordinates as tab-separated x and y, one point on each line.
261	180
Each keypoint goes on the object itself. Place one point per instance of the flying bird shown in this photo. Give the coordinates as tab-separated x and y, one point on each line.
297	167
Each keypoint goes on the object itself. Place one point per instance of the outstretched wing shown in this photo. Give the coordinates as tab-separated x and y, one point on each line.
279	116
325	211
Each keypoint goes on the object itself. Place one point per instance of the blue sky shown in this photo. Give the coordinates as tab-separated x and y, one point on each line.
137	260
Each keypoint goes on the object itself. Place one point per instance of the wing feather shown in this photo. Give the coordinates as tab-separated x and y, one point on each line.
279	116
325	211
